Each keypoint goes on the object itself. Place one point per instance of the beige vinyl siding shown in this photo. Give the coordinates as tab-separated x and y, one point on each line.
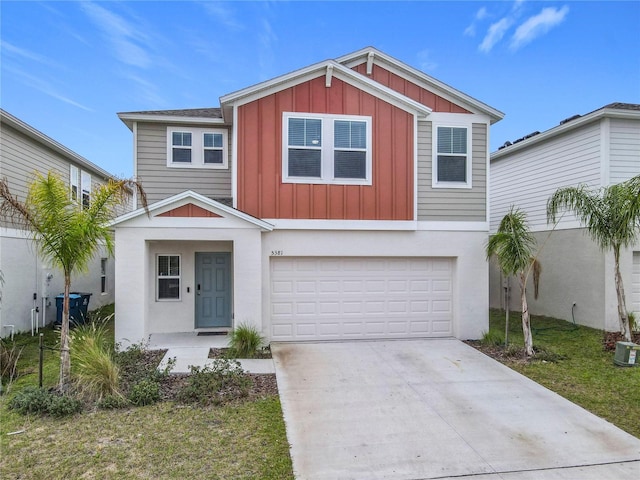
528	177
160	181
21	157
624	153
452	204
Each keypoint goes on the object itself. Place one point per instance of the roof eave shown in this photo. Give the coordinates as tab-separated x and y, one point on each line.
129	118
566	127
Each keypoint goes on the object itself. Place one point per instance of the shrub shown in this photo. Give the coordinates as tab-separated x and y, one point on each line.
220	382
64	405
93	366
112	402
245	341
145	392
492	338
634	326
40	401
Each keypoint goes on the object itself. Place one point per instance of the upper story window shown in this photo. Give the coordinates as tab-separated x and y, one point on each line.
326	149
190	147
86	189
452	162
74	182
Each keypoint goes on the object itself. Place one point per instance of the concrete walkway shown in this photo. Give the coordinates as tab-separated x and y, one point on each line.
435	409
189	349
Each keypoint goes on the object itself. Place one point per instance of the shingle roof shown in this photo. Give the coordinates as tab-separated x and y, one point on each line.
186	112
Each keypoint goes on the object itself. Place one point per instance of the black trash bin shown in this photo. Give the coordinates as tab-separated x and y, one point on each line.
78	307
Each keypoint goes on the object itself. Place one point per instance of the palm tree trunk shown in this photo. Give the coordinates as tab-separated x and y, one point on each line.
526	324
65	359
623	317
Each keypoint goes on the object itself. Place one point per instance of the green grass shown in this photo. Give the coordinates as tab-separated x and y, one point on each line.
585	373
166	440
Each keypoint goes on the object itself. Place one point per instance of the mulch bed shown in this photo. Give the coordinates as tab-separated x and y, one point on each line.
498	352
610	338
263	385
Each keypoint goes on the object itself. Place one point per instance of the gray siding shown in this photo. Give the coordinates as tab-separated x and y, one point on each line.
21	157
624	160
528	177
452	204
160	181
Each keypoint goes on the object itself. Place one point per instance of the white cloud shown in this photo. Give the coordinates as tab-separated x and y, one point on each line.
481	14
538	25
425	61
224	15
127	40
266	56
13	50
495	33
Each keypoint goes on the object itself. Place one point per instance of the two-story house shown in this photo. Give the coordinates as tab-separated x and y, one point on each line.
30	284
344	200
597	149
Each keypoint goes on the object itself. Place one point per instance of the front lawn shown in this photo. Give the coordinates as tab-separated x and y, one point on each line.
245	439
574	364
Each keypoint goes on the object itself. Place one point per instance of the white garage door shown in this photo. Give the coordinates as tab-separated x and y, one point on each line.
360	297
635	283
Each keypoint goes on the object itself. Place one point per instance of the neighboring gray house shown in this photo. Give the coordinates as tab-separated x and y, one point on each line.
29	282
598	149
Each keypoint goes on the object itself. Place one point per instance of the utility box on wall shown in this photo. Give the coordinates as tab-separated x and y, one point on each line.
627	354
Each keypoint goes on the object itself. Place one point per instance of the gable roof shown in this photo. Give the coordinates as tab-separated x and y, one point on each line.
193	196
38	136
330	68
371	54
612	110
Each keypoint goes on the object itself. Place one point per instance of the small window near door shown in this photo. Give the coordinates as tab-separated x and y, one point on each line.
168	285
103	275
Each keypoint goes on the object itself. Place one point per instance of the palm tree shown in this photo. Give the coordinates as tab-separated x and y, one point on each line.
513	245
611	215
65	232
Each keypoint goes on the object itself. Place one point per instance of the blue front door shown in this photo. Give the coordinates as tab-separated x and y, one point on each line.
213	290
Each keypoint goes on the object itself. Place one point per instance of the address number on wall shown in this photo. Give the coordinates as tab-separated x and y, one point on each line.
277	253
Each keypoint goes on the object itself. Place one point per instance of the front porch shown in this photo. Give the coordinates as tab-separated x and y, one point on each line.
190	349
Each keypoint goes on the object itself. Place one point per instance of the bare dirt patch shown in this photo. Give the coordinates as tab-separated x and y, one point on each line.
610	338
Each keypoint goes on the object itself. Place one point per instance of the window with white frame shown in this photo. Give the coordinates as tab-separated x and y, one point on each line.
452	161
103	275
326	149
74	182
85	184
168	285
190	147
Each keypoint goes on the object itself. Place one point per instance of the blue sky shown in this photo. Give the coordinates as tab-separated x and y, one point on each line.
68	67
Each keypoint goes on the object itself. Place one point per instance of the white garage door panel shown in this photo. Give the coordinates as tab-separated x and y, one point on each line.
333	298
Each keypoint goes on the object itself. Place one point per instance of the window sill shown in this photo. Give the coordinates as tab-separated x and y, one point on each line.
322	181
452	185
199	166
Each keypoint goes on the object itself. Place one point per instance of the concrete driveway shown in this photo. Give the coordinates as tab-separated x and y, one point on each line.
426	409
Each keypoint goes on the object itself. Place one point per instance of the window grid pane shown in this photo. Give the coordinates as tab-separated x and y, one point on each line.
181	139
168	277
452	168
213	140
213	156
304	163
305	132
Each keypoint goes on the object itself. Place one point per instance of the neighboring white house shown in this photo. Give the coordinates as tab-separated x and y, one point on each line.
29	282
345	200
598	149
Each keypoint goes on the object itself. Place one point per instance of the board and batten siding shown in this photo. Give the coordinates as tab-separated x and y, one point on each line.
452	204
530	176
624	151
160	181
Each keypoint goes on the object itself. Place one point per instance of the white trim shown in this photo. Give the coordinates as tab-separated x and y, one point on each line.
468	157
135	162
191	195
370	59
415	168
85	186
605	152
406	71
197	148
168	277
129	118
234	159
329	74
327	149
487	184
290	224
341	72
454	226
555	131
6	232
74	181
